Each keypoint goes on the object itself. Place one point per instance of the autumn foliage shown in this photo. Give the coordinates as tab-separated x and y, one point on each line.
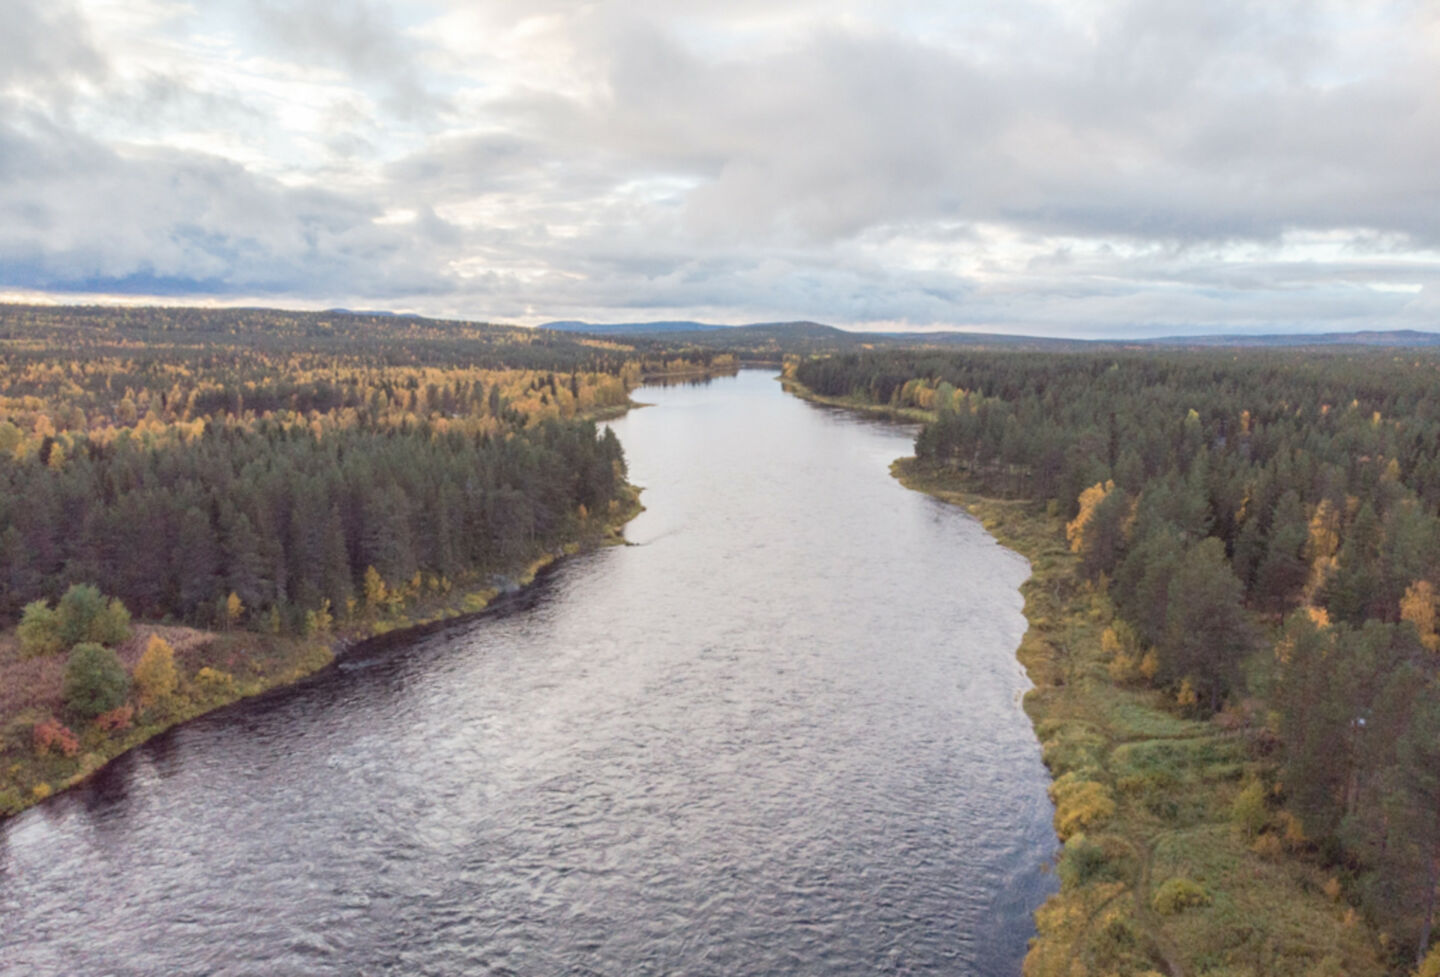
54	735
253	482
116	719
155	676
1418	607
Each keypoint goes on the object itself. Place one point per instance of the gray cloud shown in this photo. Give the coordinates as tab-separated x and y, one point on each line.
46	49
1155	130
77	215
1156	166
358	36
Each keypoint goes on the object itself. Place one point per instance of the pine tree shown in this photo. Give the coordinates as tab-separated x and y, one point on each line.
1206	631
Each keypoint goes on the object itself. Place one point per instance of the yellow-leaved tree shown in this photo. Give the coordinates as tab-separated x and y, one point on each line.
375	590
1418	607
155	676
234	607
1089	501
1097	533
320	620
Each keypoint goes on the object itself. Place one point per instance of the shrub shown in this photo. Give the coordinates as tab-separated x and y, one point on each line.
1178	894
1075	746
1248	813
1293	831
1124	669
155	675
1080	804
1267	846
213	681
95	681
54	735
319	621
1083	862
39	630
116	719
85	615
1115	946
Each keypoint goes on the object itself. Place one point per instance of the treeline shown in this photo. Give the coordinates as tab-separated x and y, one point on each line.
255	468
287	519
1267	525
385	340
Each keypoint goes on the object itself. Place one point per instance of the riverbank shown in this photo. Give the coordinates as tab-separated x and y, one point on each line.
1173	861
217	669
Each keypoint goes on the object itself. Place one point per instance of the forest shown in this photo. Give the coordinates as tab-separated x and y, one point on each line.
190	462
255	488
1267	527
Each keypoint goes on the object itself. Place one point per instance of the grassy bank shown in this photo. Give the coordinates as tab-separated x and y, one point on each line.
218	668
1169	865
1174	862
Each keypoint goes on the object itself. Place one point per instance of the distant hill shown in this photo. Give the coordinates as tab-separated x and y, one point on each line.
815	337
793	330
1393	337
812	336
630	328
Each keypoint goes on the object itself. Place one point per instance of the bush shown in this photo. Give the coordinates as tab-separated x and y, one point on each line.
1179	894
1080	804
1075	746
1249	814
54	735
85	615
1116	947
95	681
115	719
213	681
1083	862
39	630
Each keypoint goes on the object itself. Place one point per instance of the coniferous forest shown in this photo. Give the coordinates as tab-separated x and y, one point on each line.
255	487
208	465
1266	525
1259	531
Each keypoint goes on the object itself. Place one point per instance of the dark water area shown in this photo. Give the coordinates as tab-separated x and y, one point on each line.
781	734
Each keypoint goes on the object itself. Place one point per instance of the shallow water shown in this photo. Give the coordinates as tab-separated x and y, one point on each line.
781	734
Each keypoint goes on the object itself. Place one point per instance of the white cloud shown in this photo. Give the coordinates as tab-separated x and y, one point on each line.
1031	166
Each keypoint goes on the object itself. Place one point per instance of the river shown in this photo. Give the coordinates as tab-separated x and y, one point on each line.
779	734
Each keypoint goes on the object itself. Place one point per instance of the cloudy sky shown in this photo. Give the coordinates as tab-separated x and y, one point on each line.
1075	167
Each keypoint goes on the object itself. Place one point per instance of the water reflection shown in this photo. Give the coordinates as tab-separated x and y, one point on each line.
781	735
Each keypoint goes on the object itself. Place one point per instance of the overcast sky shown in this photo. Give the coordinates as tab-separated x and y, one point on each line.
1070	168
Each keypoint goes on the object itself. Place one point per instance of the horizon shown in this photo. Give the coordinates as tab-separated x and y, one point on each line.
1106	171
83	302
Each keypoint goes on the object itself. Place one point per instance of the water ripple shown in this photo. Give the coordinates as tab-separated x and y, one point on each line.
782	737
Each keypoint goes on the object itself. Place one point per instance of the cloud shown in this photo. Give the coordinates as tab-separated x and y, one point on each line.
360	37
76	215
1042	166
45	49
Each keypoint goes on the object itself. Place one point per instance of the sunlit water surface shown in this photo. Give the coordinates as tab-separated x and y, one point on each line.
780	734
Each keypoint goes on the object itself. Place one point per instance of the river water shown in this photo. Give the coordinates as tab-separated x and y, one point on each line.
779	734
